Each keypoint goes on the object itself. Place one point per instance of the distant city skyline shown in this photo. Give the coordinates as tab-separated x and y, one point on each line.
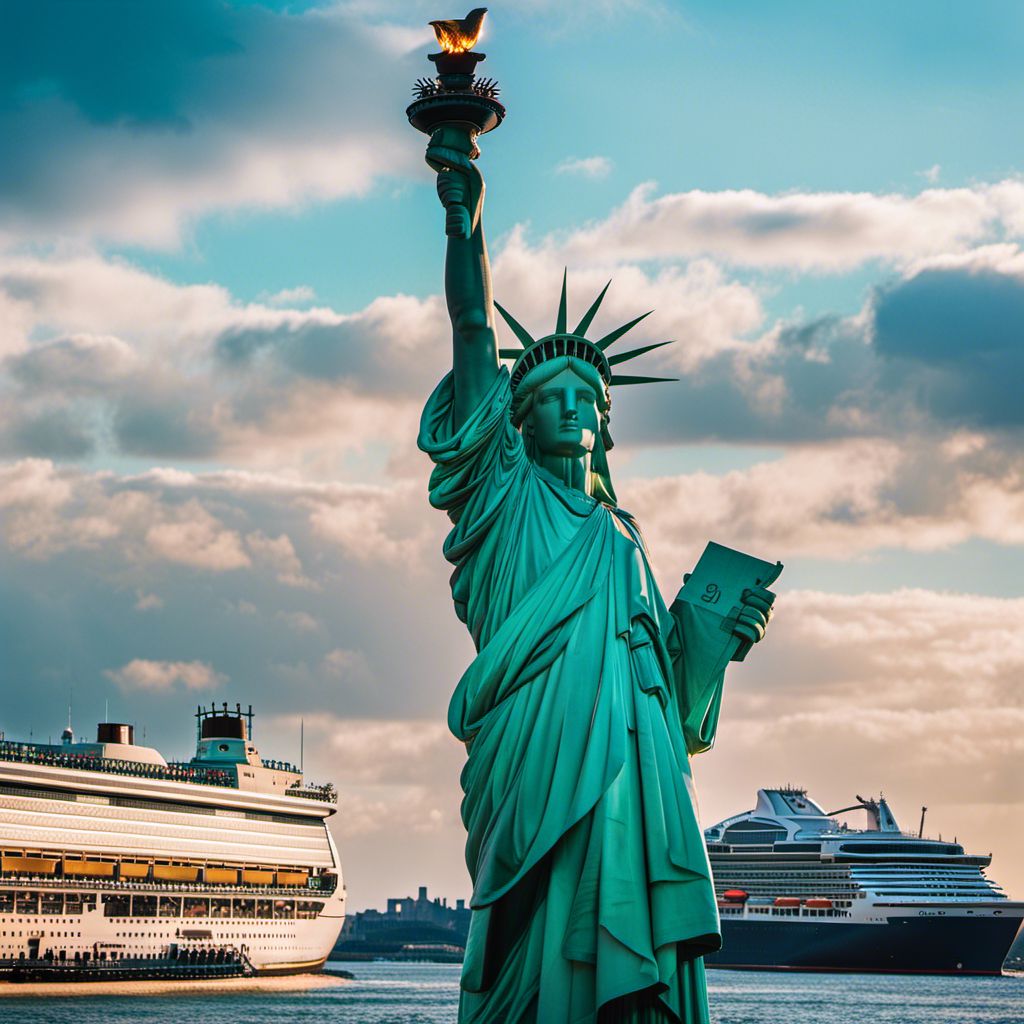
220	315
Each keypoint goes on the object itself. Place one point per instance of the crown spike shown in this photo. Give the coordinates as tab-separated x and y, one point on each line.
581	328
561	327
524	336
622	357
619	378
610	339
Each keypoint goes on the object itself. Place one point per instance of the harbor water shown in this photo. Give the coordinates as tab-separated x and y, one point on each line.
389	993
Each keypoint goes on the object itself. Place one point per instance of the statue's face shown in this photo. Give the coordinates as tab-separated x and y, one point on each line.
564	416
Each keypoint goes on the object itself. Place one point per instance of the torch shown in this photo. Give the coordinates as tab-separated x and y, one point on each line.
455	107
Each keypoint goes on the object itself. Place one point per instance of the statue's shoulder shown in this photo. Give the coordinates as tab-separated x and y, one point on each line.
629	525
624	516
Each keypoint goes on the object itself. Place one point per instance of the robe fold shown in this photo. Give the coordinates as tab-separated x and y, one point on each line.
590	876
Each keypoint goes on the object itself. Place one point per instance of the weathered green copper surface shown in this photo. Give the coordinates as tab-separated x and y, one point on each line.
592	896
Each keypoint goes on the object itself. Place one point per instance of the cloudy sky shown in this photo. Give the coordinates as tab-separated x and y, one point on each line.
220	264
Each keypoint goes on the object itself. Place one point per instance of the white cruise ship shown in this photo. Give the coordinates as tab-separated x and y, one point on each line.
111	857
796	891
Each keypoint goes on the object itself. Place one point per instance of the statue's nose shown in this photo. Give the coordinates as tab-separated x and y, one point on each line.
570	414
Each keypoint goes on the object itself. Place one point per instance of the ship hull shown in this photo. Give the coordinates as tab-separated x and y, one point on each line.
903	945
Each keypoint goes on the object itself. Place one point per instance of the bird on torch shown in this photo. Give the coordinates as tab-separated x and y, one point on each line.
458	36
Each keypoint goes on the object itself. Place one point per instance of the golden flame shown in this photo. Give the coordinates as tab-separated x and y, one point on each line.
459	35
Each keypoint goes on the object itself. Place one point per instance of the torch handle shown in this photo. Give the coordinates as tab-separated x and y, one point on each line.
453	148
456	221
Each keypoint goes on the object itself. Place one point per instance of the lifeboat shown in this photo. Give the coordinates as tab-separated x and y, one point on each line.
787	901
819	904
735	896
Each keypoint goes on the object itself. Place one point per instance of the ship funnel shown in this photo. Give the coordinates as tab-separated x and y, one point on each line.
115	732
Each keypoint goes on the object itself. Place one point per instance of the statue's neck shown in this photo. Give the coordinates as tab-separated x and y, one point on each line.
572	473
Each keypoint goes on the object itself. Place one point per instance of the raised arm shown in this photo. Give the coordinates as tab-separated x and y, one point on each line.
467	275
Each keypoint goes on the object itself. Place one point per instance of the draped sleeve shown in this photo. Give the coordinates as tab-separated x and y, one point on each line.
477	457
478	468
700	653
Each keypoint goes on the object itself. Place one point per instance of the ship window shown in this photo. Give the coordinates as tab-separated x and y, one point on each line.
6	902
220	908
116	905
899	848
52	903
170	906
28	903
759	832
144	906
196	906
244	908
265	909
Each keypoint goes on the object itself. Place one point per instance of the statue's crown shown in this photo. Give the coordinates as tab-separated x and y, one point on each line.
575	344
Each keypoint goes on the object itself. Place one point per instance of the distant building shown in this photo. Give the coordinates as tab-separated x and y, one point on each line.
421	929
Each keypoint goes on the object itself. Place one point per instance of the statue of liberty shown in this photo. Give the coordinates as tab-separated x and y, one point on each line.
592	894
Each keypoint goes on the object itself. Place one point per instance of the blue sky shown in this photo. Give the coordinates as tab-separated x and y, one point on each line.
220	262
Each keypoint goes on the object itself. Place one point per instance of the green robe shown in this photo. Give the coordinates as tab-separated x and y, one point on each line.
590	875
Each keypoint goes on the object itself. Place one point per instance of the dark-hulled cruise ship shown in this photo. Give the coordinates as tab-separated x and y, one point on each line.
796	891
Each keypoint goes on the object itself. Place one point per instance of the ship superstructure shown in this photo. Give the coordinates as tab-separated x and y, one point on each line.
798	891
109	853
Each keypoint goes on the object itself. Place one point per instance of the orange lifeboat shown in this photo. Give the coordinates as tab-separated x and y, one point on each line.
735	896
819	904
786	901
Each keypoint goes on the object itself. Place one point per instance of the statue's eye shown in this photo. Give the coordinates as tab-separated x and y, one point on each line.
587	397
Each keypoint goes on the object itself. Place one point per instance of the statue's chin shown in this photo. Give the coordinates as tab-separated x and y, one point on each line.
566	450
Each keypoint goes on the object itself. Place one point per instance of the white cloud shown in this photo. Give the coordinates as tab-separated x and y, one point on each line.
824	232
291	296
301	622
585	167
280	554
160	676
179	371
698	306
339	662
76	362
165	516
148	602
1003	258
194	537
834	501
372	523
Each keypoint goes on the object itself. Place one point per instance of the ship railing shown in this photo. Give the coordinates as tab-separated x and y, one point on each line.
27	753
210	890
876	834
54	969
326	794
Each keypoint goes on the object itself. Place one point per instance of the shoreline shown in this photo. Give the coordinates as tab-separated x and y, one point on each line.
151	987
